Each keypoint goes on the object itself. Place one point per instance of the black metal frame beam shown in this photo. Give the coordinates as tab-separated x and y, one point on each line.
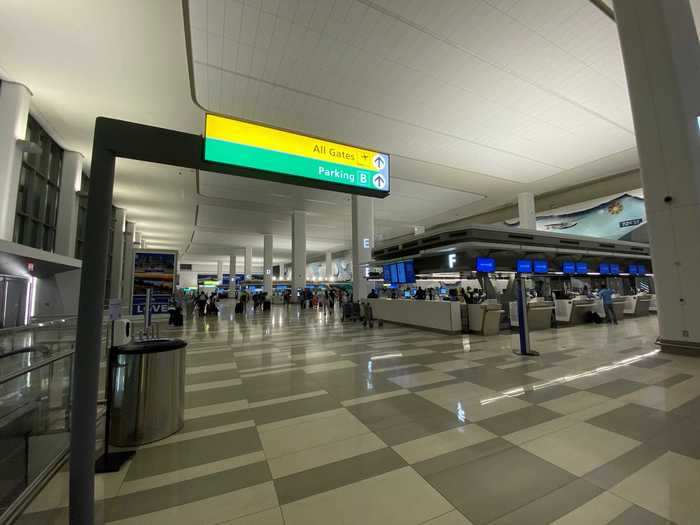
117	138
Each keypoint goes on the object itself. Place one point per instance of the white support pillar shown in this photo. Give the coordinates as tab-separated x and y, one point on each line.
138	240
267	265
298	252
362	244
248	262
329	265
526	211
220	271
232	260
14	112
661	55
67	221
115	288
128	271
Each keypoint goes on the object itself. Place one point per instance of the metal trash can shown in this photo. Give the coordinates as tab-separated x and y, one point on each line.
148	391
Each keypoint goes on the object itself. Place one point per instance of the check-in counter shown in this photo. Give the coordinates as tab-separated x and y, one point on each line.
573	311
637	305
443	316
539	314
485	318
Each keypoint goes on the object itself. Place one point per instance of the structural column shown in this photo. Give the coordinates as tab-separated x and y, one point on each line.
128	271
661	55
298	252
267	265
219	271
14	111
232	267
115	288
138	240
362	244
526	211
67	221
329	265
248	262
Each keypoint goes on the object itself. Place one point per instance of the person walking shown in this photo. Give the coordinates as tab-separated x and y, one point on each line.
606	295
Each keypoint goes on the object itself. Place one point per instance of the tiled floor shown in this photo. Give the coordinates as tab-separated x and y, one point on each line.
295	418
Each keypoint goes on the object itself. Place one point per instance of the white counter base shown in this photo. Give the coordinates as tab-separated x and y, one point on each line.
443	316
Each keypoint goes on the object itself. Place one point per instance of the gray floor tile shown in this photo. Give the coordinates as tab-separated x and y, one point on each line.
218	420
552	506
548	393
496	485
673	380
417	427
396	410
334	475
682	438
350	383
493	378
430	359
617	388
138	503
635	421
461	457
650	362
639	516
416	389
691	409
214	396
193	452
207	377
620	468
263	388
210	358
302	407
518	420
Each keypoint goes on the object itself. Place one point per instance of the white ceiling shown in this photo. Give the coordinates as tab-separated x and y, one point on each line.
476	100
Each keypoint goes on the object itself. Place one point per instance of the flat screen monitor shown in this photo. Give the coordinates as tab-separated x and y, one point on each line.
394	273
413	291
604	268
410	272
387	273
485	264
581	267
443	291
541	266
524	266
568	267
400	272
632	269
641	269
614	269
407	294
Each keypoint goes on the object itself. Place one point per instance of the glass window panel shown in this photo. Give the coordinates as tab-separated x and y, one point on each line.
19	229
51	206
38	238
49	242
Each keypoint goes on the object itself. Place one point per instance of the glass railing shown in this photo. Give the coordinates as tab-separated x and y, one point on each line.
36	368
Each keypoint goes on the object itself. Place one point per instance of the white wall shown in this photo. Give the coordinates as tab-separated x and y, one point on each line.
58	294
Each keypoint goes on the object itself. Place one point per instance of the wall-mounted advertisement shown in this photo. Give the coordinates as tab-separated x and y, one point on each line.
154	270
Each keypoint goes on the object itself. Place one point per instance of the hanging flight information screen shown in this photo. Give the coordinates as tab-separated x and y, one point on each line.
295	159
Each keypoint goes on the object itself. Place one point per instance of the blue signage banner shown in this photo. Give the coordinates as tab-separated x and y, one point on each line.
153	271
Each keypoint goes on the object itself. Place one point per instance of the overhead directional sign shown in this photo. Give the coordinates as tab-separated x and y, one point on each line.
300	158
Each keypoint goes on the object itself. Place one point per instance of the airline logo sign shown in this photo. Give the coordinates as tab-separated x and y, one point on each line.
238	143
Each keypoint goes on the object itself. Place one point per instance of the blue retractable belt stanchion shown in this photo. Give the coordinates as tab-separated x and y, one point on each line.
523	329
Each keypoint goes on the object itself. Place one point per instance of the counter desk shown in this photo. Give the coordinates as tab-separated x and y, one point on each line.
637	305
442	316
539	314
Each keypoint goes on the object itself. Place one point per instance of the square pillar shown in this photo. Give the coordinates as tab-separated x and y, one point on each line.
362	244
267	265
298	252
67	221
248	262
526	211
220	270
128	269
329	266
14	112
115	289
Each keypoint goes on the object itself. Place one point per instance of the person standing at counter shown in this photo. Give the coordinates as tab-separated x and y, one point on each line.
606	295
420	294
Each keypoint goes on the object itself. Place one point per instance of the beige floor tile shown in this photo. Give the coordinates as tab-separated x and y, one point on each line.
324	454
580	448
211	511
484	409
536	431
399	497
601	510
665	398
420	379
442	443
326	367
449	396
212	410
457	364
597	410
266	517
574	402
210	368
185	436
300	419
451	518
286	399
197	387
294	438
375	397
667	486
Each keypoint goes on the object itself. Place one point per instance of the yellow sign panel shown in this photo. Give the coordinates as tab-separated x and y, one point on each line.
263	137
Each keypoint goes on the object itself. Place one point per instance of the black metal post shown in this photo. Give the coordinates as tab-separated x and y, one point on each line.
89	332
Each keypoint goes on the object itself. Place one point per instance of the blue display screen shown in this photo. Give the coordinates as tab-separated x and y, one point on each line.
400	272
394	273
581	267
443	291
407	294
632	269
604	268
524	266
410	272
387	273
614	269
641	269
568	267
541	266
485	264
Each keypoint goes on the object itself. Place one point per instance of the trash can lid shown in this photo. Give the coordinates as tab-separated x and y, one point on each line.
149	346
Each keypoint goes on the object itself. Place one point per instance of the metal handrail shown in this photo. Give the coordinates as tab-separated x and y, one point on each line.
43	324
35	366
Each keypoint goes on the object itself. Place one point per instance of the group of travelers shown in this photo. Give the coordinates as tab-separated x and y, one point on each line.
206	305
323	300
